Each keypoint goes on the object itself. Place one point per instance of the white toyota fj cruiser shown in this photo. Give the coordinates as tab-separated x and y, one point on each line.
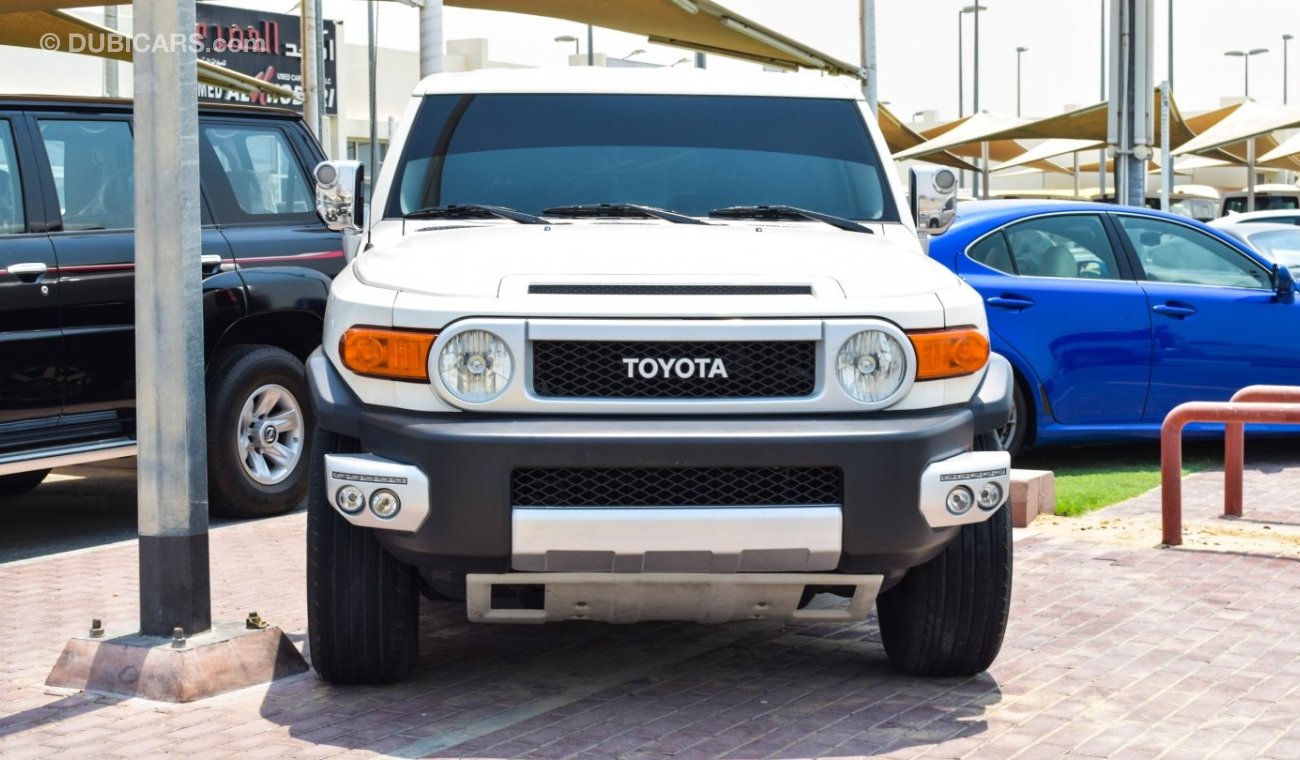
650	345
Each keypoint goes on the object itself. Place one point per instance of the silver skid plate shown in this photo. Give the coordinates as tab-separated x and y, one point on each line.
698	597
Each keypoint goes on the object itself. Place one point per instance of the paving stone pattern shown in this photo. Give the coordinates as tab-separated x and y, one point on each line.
1115	649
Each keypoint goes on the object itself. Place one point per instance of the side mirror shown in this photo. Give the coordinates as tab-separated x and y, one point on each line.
340	194
1283	282
933	197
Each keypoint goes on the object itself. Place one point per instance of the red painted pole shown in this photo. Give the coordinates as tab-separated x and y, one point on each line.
1171	445
1234	440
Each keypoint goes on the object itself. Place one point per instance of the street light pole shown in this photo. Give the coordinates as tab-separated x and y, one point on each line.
1286	38
1019	51
1245	55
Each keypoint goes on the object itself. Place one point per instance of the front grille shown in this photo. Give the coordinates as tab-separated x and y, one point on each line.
670	290
676	487
596	369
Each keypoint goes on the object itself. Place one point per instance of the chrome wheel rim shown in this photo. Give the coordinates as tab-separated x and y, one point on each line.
1007	433
269	437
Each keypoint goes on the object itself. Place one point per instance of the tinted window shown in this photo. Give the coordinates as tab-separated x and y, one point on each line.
1282	246
94	172
992	252
1073	245
686	153
1174	253
1262	203
264	177
11	192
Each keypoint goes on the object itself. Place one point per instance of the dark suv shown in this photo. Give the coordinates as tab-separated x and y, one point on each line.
67	338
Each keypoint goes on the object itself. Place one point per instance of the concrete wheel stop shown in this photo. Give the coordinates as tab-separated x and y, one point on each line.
177	668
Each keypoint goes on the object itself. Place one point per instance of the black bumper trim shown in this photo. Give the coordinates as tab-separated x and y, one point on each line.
469	458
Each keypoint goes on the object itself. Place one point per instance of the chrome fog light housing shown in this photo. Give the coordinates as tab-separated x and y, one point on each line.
872	366
350	499
475	366
989	496
385	504
960	500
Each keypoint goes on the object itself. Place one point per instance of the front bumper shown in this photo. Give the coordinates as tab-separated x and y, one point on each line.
887	521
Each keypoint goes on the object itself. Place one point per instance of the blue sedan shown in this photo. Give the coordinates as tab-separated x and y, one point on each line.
1112	316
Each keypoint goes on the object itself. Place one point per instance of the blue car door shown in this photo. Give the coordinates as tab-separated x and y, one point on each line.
1059	298
1217	324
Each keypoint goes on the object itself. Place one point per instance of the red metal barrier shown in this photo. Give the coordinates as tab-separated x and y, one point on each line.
1257	403
1234	439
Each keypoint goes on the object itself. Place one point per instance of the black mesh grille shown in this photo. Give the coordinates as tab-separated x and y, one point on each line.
671	290
676	487
590	369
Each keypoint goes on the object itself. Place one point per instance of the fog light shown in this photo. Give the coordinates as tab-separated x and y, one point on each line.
350	499
959	501
990	496
384	503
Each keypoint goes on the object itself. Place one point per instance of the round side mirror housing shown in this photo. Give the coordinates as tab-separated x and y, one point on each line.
932	194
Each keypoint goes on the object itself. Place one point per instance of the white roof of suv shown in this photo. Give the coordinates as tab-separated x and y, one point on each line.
657	81
1285	215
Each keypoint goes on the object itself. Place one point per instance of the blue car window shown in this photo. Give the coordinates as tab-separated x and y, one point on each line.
1173	253
1066	245
992	252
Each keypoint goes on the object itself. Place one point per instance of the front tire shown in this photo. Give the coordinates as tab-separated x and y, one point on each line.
947	617
1012	436
259	431
21	483
362	604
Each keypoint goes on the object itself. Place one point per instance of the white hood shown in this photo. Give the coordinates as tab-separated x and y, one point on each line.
494	259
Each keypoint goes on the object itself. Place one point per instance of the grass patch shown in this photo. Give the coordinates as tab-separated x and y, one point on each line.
1090	478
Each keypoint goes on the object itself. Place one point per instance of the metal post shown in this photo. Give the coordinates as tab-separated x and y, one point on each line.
172	478
1101	155
110	65
1286	39
1247	59
1019	52
1169	81
871	87
975	108
591	46
961	80
1076	174
1166	157
431	38
984	168
1250	174
700	62
310	66
372	163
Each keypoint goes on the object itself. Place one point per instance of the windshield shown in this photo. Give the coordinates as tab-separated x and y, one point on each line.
687	153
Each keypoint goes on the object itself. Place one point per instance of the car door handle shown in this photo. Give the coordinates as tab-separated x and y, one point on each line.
1016	303
210	261
28	272
1172	310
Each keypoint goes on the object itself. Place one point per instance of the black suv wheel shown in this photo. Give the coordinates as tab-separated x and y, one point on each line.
947	616
259	430
362	604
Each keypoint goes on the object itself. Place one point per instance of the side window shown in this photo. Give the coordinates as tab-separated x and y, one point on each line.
11	192
94	172
1173	253
992	252
1070	245
263	174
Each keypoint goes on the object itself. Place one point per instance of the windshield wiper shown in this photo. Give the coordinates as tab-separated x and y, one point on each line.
621	210
474	211
788	212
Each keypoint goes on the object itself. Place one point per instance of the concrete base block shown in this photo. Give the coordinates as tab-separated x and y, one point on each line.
226	658
1033	493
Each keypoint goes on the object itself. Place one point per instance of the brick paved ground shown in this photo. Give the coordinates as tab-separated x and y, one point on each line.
1116	648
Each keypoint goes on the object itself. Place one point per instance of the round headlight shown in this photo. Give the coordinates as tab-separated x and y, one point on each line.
871	366
475	366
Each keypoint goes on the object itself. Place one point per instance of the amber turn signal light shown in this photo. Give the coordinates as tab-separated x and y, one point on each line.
949	353
392	354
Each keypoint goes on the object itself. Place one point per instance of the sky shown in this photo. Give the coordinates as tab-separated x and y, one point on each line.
917	45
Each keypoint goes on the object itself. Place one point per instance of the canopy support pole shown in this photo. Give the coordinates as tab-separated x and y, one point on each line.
311	27
1250	174
870	87
1166	157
